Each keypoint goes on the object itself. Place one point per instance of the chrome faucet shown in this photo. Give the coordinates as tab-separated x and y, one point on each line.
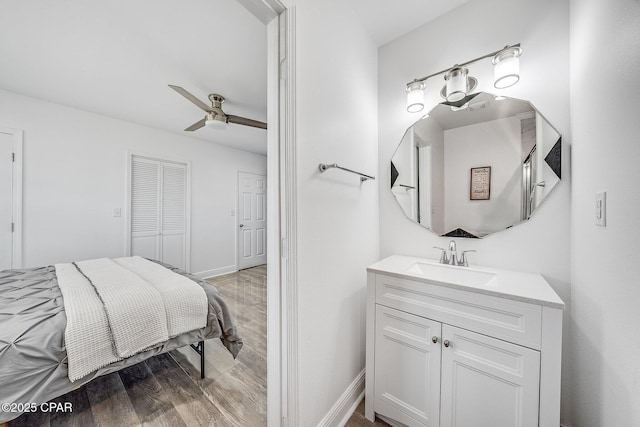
452	253
452	258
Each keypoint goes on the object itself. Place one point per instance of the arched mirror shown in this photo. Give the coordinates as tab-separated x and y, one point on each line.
475	167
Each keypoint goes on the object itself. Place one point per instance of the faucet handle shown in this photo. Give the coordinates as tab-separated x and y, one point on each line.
463	258
443	256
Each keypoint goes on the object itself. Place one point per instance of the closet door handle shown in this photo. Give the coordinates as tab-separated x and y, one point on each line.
241	225
446	343
434	339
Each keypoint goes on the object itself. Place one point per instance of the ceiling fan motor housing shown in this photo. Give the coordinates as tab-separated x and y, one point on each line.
216	100
216	108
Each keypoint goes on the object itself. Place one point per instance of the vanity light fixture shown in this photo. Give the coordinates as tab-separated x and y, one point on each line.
459	84
415	97
457	87
506	67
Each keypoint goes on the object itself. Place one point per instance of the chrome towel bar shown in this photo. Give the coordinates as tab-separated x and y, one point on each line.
363	177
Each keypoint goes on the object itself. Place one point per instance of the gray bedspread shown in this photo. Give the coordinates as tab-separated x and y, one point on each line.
33	359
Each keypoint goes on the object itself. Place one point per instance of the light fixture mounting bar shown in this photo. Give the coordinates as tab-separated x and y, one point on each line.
488	55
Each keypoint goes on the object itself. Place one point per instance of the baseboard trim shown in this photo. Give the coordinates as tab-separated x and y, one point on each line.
342	410
216	272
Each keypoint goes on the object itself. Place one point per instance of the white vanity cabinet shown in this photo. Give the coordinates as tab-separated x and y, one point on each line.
468	349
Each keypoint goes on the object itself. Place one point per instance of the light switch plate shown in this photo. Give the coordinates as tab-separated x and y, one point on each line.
601	209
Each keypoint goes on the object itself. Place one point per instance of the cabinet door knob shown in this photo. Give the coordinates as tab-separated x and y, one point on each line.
434	339
446	343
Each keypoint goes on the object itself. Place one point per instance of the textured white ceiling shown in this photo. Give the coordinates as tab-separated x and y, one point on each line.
389	19
117	57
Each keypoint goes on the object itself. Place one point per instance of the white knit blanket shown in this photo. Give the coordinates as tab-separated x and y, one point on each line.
117	308
87	335
184	300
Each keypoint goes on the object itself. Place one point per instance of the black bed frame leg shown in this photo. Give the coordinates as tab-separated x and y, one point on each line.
201	345
200	350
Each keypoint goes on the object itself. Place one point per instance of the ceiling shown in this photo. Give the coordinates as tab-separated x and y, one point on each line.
482	108
117	57
387	20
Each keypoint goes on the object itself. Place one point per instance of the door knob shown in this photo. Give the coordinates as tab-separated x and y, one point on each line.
446	343
241	225
434	339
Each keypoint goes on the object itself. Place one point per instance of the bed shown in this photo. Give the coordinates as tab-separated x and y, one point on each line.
33	357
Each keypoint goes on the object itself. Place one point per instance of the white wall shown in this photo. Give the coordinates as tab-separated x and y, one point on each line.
337	216
605	102
496	143
541	244
74	176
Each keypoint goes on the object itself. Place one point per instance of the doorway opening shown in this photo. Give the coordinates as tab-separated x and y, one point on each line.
10	198
252	220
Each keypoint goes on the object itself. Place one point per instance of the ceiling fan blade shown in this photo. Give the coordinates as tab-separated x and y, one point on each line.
191	98
197	125
246	122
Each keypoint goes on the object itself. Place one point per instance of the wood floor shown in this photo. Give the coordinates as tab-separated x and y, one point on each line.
358	419
166	390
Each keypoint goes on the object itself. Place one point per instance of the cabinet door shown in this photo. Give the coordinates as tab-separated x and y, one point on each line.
407	367
488	382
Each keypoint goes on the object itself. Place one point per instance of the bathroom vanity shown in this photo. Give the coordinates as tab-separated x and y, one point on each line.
461	346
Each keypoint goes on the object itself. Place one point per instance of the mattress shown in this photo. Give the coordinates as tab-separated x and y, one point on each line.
33	358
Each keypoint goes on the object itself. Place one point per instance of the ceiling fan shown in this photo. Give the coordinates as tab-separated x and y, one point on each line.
215	117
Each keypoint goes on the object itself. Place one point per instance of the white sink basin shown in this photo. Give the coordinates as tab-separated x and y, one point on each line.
525	287
452	274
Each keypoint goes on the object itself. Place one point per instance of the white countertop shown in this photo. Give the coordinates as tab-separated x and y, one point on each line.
526	287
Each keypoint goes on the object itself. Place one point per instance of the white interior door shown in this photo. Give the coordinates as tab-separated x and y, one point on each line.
173	212
6	201
145	208
159	210
252	220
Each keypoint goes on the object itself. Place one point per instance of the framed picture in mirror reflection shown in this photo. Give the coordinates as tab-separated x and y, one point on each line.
480	186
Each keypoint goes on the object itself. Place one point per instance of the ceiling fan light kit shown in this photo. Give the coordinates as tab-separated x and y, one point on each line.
214	121
215	117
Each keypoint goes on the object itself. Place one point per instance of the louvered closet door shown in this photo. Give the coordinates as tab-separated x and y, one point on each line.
173	213
158	210
145	208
